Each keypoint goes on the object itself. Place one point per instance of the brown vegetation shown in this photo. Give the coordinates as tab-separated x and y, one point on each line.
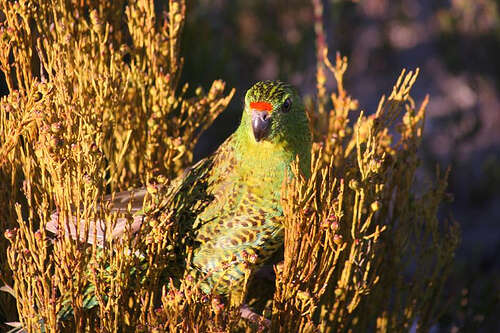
96	106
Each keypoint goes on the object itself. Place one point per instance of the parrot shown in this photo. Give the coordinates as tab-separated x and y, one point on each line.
242	220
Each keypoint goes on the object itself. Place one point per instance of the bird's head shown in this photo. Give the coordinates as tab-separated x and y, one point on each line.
274	113
274	121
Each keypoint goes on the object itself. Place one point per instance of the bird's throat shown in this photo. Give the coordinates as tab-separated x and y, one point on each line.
264	161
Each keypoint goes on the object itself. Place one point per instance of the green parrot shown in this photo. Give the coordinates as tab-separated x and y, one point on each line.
245	218
241	223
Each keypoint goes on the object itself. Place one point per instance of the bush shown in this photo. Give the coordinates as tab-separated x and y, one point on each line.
96	106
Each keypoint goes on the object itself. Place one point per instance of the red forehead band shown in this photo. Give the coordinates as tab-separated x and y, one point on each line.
261	106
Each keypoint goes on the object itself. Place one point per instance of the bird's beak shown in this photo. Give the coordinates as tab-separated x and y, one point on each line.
261	123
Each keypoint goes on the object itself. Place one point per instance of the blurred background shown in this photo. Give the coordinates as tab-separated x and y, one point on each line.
455	43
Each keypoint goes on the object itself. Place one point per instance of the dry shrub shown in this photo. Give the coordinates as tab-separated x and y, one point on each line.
95	106
362	250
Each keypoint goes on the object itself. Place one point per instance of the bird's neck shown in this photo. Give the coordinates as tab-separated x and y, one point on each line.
265	162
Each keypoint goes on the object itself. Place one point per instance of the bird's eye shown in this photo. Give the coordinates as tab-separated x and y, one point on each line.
287	104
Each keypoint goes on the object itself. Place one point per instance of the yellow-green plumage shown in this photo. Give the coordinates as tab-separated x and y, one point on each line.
240	224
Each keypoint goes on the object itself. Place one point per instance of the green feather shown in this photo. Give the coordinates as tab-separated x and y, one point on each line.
244	220
240	226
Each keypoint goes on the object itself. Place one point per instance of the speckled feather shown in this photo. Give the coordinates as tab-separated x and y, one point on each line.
240	227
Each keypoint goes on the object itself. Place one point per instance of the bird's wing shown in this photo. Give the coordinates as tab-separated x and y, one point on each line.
128	203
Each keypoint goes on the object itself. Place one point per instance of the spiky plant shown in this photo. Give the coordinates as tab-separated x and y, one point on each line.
95	106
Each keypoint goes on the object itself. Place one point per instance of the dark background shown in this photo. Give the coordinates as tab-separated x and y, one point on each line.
455	43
